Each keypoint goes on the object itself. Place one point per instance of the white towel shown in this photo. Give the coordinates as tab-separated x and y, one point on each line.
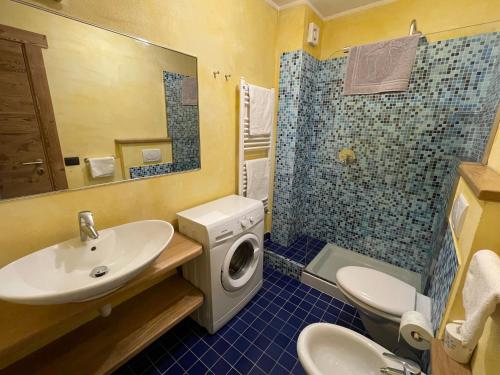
189	91
257	178
261	110
481	294
102	167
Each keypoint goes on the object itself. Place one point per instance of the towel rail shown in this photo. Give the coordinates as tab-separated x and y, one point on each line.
413	31
86	160
249	142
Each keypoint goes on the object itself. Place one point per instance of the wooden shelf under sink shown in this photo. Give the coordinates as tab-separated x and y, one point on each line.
104	344
25	329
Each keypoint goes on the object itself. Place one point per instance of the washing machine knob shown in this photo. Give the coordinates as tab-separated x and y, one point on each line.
251	219
244	223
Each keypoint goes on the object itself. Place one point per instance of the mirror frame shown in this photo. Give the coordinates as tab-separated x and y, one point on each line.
57	13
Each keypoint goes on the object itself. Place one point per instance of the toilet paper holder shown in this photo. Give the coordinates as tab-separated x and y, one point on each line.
418	338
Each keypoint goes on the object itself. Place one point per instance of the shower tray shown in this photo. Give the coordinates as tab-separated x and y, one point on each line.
321	272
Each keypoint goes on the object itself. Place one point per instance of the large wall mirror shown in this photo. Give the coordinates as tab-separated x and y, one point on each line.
81	105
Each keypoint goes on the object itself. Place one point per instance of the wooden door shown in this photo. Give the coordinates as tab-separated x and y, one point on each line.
30	155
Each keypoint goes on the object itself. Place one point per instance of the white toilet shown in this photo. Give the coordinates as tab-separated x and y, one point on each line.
381	300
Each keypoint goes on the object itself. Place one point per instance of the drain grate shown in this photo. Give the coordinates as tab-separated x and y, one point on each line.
99	271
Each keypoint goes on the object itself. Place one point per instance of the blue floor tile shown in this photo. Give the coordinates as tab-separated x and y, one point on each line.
266	363
261	339
221	367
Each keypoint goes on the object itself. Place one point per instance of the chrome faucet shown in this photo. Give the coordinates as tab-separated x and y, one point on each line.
409	367
86	222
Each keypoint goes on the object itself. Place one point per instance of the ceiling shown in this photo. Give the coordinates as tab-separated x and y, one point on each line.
329	8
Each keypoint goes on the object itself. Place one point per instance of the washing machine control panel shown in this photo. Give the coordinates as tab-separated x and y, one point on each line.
245	223
235	227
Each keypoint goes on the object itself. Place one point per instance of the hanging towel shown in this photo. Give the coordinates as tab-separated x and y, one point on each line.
189	91
257	178
481	294
102	167
381	67
261	110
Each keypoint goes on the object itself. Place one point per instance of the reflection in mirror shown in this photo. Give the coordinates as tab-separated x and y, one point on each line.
80	105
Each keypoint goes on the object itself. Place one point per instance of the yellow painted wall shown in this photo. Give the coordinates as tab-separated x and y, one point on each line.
293	24
103	85
480	231
131	155
393	19
235	37
290	36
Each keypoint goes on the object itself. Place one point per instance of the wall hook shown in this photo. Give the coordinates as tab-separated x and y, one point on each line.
216	73
227	76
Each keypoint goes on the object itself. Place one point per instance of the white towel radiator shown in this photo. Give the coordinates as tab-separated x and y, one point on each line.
256	144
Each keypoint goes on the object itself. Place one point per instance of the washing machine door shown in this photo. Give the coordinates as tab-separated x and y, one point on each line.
241	262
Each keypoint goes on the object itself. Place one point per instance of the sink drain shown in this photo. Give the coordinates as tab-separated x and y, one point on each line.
99	271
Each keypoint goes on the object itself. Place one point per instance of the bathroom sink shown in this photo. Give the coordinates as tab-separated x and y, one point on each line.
330	349
76	270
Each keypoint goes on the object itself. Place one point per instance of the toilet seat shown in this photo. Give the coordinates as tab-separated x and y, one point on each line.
377	292
370	309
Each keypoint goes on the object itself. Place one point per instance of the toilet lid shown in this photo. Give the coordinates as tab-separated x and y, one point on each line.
377	289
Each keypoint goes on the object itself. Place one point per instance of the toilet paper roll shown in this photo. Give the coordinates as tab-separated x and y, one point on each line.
416	330
453	344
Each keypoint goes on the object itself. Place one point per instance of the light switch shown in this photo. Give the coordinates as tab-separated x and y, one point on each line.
458	213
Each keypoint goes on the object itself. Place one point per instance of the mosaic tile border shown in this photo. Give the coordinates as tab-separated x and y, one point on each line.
283	265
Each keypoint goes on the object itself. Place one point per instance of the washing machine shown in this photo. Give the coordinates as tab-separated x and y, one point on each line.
229	271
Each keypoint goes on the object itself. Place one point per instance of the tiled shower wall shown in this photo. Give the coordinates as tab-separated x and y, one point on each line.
390	203
182	122
183	129
442	278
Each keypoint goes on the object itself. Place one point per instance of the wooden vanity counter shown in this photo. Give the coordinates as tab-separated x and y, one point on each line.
143	309
442	364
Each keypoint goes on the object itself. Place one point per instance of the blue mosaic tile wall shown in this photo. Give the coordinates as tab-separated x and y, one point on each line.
183	129
282	264
442	278
390	204
162	168
182	121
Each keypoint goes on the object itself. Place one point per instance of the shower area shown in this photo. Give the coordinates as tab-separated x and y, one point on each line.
386	208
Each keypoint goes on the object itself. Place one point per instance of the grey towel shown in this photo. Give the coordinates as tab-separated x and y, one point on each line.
189	91
381	67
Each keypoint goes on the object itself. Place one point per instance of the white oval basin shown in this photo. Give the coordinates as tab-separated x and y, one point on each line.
330	349
61	273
